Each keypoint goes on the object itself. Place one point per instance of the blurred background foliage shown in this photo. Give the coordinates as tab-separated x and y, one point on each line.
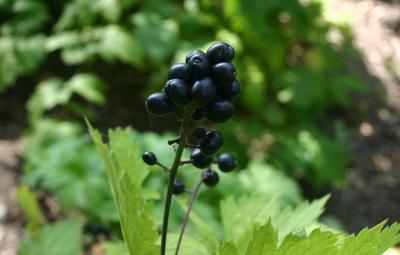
101	58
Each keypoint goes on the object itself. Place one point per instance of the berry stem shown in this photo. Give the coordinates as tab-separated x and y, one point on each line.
164	167
174	169
173	141
189	209
186	162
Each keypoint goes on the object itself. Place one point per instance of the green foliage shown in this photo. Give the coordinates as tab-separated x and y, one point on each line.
61	238
126	173
60	159
28	202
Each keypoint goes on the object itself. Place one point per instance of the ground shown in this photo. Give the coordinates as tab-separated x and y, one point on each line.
373	190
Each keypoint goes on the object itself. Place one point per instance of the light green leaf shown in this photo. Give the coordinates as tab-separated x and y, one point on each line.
264	241
228	248
61	238
189	246
316	243
126	172
28	202
89	86
114	248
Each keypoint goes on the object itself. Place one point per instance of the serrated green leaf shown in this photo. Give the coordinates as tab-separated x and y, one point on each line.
228	248
189	246
126	172
61	238
28	202
316	243
264	241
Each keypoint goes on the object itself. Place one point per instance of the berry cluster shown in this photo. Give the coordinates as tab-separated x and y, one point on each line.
206	79
205	86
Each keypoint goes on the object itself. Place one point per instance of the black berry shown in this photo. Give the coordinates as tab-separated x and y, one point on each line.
198	114
158	104
226	162
200	160
178	91
179	187
149	158
199	133
219	111
198	64
179	71
232	91
210	178
220	52
212	143
223	73
203	91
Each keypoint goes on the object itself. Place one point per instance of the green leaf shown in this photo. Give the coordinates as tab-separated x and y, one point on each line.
61	238
373	241
204	232
189	246
89	86
228	248
126	173
264	241
28	202
114	248
316	243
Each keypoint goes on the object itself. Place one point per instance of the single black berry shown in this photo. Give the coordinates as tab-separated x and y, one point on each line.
179	71
232	91
198	114
198	64
220	52
158	104
199	133
178	91
179	187
149	158
200	160
210	178
212	143
227	162
223	73
203	91
219	111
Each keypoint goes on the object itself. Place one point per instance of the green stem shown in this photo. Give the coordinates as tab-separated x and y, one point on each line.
174	169
185	221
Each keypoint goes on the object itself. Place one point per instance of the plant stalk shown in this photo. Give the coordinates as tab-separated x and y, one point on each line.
174	169
185	221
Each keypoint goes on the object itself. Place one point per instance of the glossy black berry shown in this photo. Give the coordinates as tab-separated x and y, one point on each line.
198	114
200	160
232	91
203	91
223	73
179	71
210	178
179	187
158	104
212	143
178	91
219	111
199	133
220	52
198	64
227	162
149	158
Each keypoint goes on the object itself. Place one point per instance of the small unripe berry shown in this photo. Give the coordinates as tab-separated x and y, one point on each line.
210	178
179	187
149	158
226	162
200	160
